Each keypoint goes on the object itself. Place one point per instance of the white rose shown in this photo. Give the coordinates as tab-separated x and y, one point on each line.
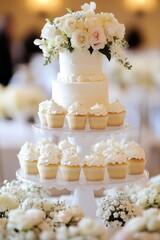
65	216
80	39
25	220
97	37
47	235
49	31
89	7
7	203
77	212
114	28
69	25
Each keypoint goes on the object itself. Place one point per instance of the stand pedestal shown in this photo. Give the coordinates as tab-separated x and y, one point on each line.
84	198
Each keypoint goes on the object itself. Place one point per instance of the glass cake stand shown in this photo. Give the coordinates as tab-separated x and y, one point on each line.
83	139
83	191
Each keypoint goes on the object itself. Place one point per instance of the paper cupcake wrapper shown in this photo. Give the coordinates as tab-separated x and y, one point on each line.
29	167
116	119
42	119
70	173
47	172
135	168
76	122
94	173
55	120
117	171
99	122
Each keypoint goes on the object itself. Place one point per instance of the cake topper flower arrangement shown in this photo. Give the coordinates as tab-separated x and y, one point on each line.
84	30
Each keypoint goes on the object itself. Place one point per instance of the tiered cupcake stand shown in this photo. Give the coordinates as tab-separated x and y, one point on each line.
83	190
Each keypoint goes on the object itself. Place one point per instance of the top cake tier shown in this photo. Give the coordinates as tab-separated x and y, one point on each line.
81	66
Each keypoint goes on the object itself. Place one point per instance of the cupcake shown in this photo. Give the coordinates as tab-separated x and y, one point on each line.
135	158
48	163
65	144
116	163
70	165
77	116
98	116
116	113
28	157
94	167
42	112
55	115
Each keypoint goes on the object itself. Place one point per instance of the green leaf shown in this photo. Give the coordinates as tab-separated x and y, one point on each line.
69	10
106	51
90	50
49	20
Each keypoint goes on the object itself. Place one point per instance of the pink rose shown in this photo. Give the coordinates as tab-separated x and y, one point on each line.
97	37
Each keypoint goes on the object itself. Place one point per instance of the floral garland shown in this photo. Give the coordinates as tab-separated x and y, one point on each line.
84	30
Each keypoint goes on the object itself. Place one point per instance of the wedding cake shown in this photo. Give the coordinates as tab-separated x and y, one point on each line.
81	39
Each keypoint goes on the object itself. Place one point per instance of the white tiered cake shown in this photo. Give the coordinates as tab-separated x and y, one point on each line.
80	79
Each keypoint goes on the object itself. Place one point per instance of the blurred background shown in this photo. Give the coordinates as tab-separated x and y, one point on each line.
24	81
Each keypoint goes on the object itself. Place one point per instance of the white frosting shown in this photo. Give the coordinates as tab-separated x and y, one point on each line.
28	152
98	110
88	93
77	108
48	157
69	158
81	78
116	107
94	160
49	147
64	144
54	108
133	150
99	147
43	106
80	63
114	155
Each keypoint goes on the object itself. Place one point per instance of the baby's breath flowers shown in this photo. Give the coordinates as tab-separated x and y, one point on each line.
84	30
116	209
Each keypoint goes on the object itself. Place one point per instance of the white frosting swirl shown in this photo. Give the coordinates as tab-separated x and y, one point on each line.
64	144
81	77
48	157
43	106
94	160
133	150
54	108
98	110
28	152
99	147
77	109
114	155
116	107
50	147
69	158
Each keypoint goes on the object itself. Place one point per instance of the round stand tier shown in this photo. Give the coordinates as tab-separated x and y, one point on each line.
83	190
83	139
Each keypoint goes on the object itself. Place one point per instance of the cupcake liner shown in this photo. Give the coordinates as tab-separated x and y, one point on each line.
47	171
93	173
55	120
116	119
70	173
135	168
29	167
76	122
98	122
42	118
117	171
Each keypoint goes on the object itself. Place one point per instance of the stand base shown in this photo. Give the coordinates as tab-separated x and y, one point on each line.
84	198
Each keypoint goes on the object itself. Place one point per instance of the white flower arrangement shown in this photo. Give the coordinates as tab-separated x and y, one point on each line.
87	229
84	30
148	197
116	209
19	190
56	213
27	225
6	204
146	227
